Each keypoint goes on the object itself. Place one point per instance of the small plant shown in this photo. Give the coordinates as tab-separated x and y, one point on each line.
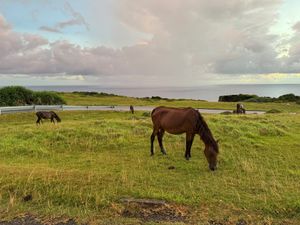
226	113
146	114
274	111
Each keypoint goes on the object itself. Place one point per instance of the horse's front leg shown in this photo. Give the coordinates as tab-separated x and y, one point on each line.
160	141
189	142
152	141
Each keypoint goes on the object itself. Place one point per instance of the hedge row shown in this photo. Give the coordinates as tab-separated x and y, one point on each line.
255	98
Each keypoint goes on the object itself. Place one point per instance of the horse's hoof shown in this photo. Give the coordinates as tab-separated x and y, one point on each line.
164	152
187	158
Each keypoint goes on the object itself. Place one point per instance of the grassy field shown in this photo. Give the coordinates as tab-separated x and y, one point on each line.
79	99
83	166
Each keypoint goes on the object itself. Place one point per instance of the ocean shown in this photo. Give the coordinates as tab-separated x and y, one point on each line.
209	92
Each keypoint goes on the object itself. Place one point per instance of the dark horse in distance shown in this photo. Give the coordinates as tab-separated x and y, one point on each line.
184	120
131	109
47	115
240	109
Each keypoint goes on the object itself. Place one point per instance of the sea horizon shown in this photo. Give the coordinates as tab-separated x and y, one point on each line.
203	92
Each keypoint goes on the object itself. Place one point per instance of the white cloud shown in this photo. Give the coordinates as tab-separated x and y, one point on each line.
191	41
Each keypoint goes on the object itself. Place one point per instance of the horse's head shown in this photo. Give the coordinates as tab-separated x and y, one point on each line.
57	118
211	152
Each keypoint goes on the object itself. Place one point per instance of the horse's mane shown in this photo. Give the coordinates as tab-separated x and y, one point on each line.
205	133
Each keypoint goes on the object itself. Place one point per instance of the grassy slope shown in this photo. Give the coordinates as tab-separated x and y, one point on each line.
84	165
77	99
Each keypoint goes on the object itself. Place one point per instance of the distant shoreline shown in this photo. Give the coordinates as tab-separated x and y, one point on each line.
208	92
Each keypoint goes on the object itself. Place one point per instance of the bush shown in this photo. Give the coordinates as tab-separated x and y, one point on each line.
260	99
15	96
255	98
226	113
156	98
18	96
236	98
289	98
146	114
273	111
47	98
94	94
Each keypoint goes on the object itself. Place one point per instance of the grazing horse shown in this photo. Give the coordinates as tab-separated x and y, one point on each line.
47	115
184	120
131	109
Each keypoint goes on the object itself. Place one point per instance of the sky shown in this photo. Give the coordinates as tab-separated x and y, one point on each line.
149	43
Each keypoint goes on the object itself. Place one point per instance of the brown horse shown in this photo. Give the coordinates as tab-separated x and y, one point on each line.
184	120
47	115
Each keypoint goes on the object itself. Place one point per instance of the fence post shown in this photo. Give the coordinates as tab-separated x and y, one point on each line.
34	108
62	107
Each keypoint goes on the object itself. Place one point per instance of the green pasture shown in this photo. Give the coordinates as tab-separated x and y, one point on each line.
82	167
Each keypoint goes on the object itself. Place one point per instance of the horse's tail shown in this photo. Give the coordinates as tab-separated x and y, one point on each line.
56	116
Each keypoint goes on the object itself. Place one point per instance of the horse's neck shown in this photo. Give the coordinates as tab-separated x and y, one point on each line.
206	135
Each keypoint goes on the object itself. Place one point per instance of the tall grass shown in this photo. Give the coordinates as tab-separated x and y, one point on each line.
83	166
80	99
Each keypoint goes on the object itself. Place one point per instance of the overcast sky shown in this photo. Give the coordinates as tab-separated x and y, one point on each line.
149	42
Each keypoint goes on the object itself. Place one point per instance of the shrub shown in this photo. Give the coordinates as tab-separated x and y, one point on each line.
236	98
18	96
15	96
289	98
273	111
47	98
255	98
226	113
261	99
146	114
94	94
156	98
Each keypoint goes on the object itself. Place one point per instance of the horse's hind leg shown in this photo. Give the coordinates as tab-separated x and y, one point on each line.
189	142
160	139
38	121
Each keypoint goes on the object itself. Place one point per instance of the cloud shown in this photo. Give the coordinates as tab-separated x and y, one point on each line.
296	26
190	42
50	29
208	36
76	20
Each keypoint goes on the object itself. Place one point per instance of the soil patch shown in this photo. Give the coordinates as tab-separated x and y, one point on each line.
31	220
153	210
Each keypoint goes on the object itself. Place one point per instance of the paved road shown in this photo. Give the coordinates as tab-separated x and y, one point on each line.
17	109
